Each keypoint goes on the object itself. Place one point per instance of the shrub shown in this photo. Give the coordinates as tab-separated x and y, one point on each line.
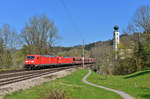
57	94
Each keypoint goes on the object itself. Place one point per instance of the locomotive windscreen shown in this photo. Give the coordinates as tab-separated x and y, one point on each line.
30	57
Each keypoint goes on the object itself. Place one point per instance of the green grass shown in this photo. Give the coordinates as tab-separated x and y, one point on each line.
136	84
71	84
10	68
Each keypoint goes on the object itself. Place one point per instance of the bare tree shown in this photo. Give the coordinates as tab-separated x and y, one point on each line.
8	41
10	37
140	21
142	18
40	33
104	58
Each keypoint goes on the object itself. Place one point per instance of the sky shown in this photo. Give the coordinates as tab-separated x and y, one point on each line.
76	20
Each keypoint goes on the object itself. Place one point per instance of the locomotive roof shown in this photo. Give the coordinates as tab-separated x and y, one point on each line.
46	56
67	57
42	55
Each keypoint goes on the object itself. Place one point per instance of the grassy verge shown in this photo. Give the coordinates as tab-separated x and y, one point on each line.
71	84
137	84
10	69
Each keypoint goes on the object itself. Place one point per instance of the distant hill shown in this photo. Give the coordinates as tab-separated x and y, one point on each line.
124	38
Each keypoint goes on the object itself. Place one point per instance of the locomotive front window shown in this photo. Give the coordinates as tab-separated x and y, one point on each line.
30	57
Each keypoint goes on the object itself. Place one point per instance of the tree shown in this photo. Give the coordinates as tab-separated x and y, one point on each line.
8	41
142	18
140	22
140	26
10	37
104	58
40	34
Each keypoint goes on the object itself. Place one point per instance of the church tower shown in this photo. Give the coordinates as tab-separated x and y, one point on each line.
116	38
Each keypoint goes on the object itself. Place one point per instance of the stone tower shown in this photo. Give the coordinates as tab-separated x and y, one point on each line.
116	38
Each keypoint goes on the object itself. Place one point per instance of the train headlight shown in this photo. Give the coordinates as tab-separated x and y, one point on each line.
32	61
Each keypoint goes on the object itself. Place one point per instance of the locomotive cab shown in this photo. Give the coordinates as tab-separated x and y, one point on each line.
31	61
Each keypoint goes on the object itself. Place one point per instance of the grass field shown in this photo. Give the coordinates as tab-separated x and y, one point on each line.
8	69
71	84
136	84
11	68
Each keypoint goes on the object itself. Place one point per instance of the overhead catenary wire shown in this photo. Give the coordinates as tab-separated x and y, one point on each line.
75	27
70	16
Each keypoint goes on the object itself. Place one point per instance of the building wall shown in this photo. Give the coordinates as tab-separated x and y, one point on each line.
116	40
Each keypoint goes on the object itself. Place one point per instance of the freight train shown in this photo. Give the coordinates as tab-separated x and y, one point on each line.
42	61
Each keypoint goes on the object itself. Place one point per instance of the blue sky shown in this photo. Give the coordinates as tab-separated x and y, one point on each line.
91	20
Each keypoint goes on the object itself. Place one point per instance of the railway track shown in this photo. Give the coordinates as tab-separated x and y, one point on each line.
12	77
22	72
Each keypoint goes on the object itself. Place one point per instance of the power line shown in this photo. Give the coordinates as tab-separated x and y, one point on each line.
75	26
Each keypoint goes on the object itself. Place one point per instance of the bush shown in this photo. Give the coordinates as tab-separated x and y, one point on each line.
125	66
57	94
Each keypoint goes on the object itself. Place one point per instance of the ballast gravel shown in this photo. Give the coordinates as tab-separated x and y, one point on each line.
26	84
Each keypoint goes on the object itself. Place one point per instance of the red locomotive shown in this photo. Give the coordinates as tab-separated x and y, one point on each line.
40	61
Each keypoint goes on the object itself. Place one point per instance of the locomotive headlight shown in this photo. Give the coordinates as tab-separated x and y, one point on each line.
32	61
26	61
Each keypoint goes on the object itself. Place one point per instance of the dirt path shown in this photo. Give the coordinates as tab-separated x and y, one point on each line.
122	94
